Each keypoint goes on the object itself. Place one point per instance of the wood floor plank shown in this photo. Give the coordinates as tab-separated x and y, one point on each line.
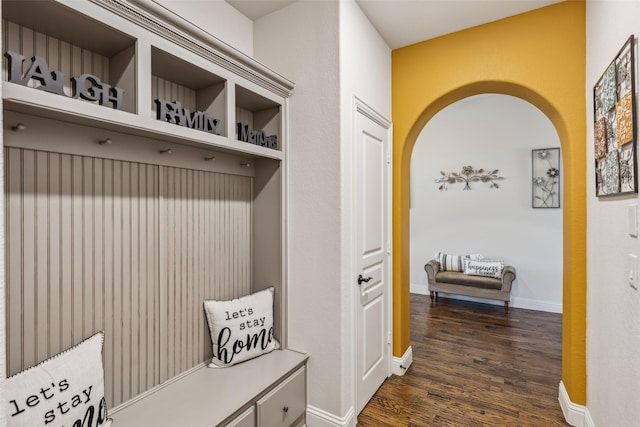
473	365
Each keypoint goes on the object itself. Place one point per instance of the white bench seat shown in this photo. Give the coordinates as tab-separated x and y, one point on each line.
208	397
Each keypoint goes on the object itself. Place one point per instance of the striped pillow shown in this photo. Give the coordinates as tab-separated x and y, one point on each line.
454	262
485	268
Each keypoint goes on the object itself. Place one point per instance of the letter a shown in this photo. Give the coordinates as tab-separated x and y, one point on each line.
39	70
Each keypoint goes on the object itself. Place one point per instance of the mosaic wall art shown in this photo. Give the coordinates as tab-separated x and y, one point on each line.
614	127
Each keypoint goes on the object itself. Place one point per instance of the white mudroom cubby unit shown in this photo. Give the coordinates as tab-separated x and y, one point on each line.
131	197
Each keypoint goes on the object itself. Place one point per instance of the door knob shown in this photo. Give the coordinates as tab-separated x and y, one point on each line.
362	280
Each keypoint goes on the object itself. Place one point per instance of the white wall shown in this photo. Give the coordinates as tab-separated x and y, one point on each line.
217	18
492	132
613	307
323	47
365	64
301	43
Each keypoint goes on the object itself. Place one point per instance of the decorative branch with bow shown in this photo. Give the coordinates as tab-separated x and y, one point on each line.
468	175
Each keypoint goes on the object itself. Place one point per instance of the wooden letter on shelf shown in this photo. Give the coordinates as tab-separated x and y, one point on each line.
98	91
39	70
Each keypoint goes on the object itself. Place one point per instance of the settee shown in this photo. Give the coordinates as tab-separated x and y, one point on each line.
459	283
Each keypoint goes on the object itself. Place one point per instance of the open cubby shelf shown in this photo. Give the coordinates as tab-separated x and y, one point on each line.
200	92
258	119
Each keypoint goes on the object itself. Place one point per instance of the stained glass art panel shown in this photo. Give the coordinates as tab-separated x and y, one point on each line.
600	138
624	120
626	169
609	92
612	175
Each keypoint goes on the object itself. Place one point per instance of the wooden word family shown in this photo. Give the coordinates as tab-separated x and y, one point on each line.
173	112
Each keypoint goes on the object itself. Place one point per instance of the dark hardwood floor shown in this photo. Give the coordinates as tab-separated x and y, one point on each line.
474	365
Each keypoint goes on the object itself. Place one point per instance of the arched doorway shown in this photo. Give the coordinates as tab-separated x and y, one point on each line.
574	215
489	132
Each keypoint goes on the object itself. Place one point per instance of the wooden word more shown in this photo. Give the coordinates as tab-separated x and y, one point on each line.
257	137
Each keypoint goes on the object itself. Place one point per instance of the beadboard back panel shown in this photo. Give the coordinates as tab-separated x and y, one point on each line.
206	244
129	248
171	91
244	116
59	55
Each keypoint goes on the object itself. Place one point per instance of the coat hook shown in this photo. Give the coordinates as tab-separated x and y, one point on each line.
18	127
106	141
208	159
167	151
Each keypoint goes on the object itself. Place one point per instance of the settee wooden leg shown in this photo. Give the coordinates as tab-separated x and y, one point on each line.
506	306
431	295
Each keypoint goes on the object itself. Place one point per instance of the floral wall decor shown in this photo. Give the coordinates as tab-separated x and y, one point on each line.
614	128
545	170
468	175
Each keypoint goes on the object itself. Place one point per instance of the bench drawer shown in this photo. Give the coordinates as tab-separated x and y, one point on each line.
284	404
246	419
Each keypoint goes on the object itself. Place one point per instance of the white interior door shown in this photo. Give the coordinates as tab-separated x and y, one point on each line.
372	253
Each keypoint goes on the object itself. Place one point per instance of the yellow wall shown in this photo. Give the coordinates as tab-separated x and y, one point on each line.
538	56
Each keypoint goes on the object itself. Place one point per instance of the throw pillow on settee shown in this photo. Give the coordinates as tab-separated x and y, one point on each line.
450	262
484	267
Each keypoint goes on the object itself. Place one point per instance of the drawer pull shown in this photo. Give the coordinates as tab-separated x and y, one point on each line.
285	409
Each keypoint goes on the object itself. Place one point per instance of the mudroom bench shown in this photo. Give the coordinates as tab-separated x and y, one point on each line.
176	132
458	283
268	391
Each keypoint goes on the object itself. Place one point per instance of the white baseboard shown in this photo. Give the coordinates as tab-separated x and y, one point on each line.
419	288
573	413
517	302
316	417
588	421
538	305
399	365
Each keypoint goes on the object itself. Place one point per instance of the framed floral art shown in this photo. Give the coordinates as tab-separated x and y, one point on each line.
614	127
545	170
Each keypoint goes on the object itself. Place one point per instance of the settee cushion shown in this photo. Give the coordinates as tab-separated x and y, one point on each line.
457	278
450	262
487	268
